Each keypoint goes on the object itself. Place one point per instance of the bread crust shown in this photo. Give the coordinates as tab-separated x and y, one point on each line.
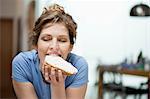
57	68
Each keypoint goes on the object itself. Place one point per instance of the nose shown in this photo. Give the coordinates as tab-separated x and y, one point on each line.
53	45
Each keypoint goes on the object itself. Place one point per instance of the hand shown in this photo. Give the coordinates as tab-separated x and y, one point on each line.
57	80
53	75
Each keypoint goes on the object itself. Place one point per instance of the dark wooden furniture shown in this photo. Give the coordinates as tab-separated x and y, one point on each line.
113	69
6	50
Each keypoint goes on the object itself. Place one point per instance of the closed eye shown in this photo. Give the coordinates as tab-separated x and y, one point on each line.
62	40
46	38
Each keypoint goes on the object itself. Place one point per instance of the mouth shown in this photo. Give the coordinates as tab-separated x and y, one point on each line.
55	55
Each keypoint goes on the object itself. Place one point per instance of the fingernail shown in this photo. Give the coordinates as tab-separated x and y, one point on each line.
59	70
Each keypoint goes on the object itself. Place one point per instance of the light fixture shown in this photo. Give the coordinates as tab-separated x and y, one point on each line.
142	10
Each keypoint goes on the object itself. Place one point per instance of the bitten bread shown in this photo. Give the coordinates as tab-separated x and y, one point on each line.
60	64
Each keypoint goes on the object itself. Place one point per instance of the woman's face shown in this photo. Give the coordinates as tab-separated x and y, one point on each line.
54	40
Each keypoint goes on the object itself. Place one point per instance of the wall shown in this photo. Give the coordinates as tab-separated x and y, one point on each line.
13	39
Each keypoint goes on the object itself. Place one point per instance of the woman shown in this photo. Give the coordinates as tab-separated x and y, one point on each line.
54	34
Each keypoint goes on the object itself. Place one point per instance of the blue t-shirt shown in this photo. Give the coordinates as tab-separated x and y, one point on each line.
26	68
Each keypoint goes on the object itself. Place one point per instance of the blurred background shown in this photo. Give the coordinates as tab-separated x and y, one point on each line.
109	32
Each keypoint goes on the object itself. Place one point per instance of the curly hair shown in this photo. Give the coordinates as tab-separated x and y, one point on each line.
54	14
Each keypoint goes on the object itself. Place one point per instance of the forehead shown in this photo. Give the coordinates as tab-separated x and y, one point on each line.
54	24
58	28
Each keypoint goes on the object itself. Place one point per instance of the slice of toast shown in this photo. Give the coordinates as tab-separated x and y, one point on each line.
60	64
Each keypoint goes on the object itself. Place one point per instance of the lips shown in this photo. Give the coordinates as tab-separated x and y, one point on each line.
54	54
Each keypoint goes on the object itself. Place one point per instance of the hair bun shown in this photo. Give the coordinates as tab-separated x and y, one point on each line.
56	7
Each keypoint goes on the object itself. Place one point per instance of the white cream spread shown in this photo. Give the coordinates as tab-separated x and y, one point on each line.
60	63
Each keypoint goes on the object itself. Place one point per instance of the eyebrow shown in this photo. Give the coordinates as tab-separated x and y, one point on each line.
64	36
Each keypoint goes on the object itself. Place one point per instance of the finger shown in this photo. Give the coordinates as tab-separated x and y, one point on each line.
53	76
46	73
49	71
42	69
60	76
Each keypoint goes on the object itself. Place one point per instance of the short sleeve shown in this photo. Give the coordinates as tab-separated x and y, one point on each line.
20	70
81	77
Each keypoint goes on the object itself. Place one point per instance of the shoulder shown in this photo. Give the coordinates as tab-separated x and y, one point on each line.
23	65
25	56
25	59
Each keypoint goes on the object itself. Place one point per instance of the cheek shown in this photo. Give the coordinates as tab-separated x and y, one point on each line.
42	49
42	46
65	50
